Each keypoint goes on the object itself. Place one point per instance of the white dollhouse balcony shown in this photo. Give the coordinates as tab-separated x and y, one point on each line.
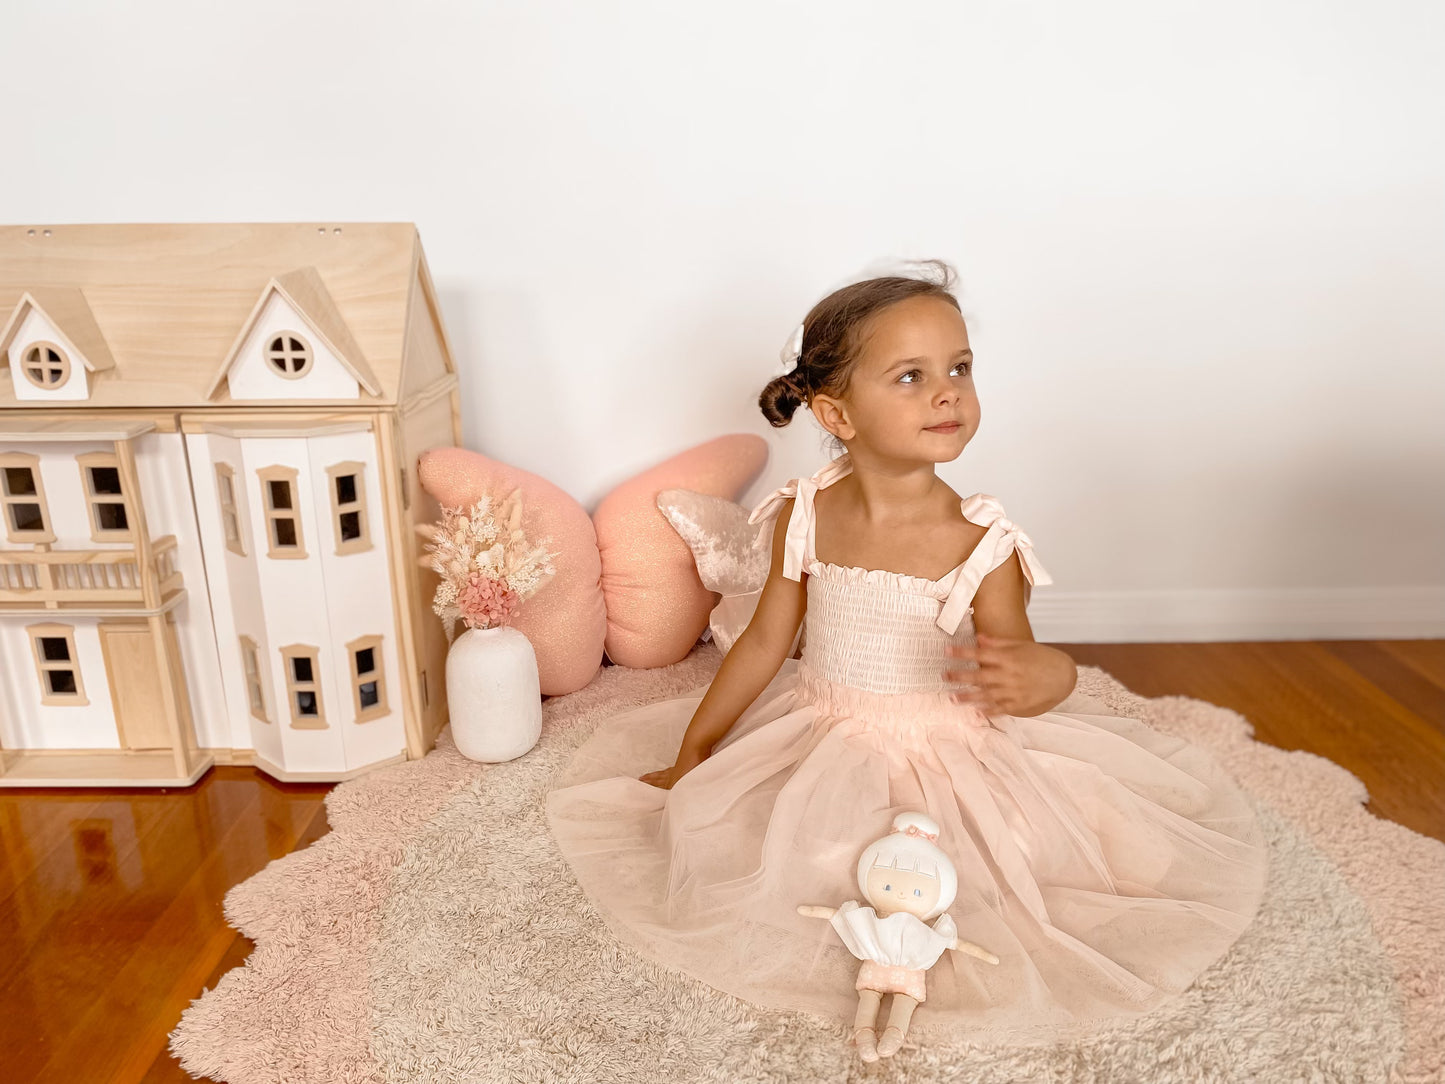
36	579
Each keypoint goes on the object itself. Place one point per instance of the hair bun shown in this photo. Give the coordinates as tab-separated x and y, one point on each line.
781	399
916	824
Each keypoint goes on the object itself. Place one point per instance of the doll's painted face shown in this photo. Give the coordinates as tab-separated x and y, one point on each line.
890	890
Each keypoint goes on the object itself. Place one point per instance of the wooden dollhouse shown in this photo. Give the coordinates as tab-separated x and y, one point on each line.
208	443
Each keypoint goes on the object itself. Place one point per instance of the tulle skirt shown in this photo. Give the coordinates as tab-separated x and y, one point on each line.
1104	863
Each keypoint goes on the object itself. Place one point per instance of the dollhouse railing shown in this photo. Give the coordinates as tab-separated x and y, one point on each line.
58	577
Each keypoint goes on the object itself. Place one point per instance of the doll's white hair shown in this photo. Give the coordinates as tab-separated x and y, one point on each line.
909	848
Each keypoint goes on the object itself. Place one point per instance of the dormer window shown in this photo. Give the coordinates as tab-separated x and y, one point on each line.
51	344
289	355
45	365
295	346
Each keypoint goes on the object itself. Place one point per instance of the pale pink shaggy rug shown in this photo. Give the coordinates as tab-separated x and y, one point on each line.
436	935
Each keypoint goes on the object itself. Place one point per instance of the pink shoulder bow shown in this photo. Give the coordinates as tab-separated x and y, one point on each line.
1003	537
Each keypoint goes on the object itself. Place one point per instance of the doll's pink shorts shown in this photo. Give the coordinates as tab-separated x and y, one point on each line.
891	980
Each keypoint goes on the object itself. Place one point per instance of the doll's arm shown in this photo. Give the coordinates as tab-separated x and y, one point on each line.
970	949
810	910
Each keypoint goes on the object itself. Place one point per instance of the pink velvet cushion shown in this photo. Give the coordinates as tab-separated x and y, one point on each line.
657	606
732	556
565	620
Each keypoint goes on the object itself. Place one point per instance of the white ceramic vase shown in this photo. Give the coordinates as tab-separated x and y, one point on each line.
493	694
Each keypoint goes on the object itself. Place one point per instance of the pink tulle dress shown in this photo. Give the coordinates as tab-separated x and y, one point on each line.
1104	863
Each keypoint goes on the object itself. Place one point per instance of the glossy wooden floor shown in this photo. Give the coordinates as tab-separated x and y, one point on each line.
110	901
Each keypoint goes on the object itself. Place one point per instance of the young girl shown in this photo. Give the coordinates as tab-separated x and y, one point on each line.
1105	864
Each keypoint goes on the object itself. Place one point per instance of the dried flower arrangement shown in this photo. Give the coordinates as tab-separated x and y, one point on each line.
486	564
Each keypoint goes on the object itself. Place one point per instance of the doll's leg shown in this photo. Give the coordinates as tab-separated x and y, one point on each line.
865	1024
899	1015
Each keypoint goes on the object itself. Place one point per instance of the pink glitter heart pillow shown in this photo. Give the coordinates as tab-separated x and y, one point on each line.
566	620
657	605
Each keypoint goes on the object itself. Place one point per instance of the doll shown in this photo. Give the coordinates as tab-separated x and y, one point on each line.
908	880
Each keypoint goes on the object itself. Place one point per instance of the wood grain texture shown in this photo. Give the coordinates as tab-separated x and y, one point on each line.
164	304
110	901
110	914
1376	708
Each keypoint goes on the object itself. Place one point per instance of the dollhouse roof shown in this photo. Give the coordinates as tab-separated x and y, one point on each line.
159	311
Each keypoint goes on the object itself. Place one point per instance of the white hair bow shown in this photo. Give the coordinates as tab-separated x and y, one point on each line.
792	349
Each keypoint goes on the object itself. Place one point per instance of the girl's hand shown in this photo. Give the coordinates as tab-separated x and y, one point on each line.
666	778
1014	677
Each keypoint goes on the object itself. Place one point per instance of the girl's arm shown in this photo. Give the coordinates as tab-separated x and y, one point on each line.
754	660
1016	675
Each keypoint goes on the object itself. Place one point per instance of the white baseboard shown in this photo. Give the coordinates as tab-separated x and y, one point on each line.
1224	615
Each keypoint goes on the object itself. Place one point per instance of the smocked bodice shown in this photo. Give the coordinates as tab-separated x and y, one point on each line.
875	635
885	632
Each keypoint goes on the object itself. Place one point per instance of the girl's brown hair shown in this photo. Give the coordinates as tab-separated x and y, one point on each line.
833	333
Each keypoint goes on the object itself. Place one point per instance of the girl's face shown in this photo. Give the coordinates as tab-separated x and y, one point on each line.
891	890
910	397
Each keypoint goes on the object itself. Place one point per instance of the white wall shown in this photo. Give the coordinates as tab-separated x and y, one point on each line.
1202	246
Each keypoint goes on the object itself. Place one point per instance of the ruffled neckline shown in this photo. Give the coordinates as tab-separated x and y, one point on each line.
882	577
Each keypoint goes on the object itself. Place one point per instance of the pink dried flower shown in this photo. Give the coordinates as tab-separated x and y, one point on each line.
486	602
486	565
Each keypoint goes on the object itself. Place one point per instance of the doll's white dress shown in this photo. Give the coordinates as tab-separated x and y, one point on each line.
896	951
1104	863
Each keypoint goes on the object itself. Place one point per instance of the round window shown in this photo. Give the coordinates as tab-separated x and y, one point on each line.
46	365
289	355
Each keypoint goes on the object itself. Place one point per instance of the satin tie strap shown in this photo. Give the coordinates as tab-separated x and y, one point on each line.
1003	537
799	538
